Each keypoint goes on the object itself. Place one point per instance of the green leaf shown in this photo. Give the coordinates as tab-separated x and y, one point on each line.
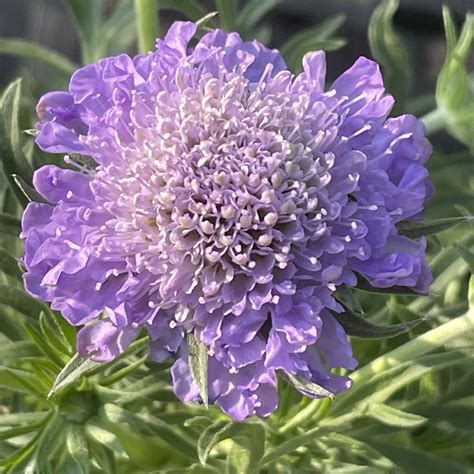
30	193
19	430
392	417
122	373
11	419
317	37
9	265
190	8
252	12
227	13
76	368
48	350
76	444
18	349
306	387
249	438
11	155
21	301
51	439
53	333
417	229
21	381
358	326
450	30
9	225
150	425
467	255
32	50
387	48
88	17
416	461
198	365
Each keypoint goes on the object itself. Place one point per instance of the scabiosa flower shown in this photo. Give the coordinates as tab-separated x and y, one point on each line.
230	199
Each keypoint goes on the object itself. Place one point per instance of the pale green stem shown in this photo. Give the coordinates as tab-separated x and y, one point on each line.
434	121
147	24
409	351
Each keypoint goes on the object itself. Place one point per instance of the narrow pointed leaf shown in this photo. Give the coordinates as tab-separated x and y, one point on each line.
198	358
18	349
467	255
387	48
20	301
77	446
30	193
417	229
72	371
357	326
306	387
392	417
32	50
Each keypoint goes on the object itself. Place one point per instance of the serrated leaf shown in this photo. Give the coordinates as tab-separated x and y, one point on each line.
30	193
77	446
392	417
250	437
72	371
317	37
388	49
9	225
417	229
357	326
306	387
198	358
31	50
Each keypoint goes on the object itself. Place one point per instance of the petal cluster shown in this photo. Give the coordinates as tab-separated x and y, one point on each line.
230	199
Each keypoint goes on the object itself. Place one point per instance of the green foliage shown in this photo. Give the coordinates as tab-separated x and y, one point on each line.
387	48
411	407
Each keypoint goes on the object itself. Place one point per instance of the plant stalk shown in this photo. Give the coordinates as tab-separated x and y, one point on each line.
147	24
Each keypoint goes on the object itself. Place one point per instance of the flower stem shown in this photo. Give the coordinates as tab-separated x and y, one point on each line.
434	121
147	24
415	348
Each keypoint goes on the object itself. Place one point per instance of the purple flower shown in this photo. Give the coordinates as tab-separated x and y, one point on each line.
231	199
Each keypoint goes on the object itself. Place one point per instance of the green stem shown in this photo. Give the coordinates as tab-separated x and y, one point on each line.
419	346
434	121
147	24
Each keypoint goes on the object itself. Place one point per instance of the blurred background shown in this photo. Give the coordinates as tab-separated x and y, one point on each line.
49	23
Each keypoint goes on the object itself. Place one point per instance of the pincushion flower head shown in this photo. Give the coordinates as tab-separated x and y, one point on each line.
227	199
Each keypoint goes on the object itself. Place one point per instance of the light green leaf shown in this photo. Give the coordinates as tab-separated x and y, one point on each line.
19	430
12	419
417	229
76	368
150	425
317	37
43	344
467	255
198	365
76	444
21	381
51	439
18	349
387	48
358	326
306	387
250	438
32	50
392	417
